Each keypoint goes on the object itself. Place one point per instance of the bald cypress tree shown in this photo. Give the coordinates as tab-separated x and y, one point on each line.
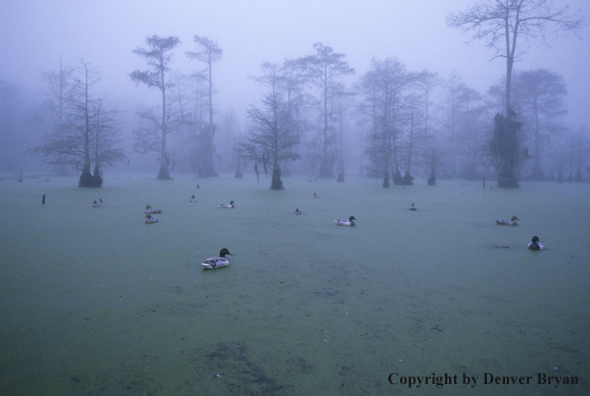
158	57
273	137
324	69
84	131
208	53
509	27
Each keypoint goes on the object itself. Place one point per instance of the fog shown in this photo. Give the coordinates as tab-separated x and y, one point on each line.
36	35
96	301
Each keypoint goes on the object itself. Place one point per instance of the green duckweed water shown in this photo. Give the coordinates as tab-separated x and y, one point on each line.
95	302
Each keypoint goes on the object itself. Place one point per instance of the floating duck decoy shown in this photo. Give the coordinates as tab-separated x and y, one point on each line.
536	244
149	219
218	262
343	222
230	205
149	209
511	222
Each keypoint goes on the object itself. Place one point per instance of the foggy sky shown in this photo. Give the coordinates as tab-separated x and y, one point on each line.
34	33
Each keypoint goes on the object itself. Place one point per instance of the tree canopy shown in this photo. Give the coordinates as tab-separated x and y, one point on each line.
273	137
85	130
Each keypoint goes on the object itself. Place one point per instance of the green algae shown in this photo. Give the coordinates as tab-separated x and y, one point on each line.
96	302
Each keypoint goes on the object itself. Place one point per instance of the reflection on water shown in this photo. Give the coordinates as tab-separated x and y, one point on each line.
96	302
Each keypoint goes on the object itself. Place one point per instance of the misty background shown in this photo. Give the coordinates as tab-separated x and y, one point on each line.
39	37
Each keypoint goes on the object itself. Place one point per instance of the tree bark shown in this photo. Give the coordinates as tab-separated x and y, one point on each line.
386	179
506	150
86	177
276	184
96	178
432	179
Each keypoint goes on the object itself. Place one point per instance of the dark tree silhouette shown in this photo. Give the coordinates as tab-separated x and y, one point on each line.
383	88
324	68
509	28
505	150
158	57
208	54
273	137
84	131
539	98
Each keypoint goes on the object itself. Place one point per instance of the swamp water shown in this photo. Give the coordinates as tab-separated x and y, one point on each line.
95	302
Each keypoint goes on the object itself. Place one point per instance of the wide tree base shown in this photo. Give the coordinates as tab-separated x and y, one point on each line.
164	174
89	181
507	180
277	184
97	181
407	179
397	179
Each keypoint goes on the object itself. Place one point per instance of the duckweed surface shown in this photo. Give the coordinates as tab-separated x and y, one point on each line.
96	302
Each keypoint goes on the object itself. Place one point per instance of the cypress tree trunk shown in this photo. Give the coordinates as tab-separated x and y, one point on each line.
407	180
505	149
257	174
86	179
397	178
432	179
96	178
206	150
276	184
164	173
